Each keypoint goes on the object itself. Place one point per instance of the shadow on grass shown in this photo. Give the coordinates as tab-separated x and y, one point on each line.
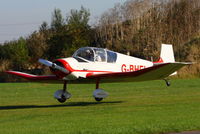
69	104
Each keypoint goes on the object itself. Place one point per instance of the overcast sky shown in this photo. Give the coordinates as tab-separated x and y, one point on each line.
21	17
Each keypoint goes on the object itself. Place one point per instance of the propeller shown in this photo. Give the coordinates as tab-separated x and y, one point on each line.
53	65
46	62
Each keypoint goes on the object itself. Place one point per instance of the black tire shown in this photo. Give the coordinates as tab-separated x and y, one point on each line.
62	99
98	99
168	83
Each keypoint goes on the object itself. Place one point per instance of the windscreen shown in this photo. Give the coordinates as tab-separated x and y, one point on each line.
85	53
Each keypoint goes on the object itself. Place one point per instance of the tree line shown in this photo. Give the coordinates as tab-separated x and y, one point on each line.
136	27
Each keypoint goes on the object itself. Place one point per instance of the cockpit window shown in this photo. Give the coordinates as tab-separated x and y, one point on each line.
100	55
95	54
85	53
111	56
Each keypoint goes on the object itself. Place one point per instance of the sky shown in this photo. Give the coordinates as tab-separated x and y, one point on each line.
22	17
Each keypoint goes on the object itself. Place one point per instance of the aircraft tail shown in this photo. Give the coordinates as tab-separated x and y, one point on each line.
166	55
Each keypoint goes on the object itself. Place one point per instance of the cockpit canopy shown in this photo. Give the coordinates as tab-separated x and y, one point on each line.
94	54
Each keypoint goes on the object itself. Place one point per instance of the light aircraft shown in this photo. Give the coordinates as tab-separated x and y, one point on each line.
91	64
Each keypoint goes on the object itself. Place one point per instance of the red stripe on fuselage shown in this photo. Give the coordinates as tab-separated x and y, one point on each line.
68	67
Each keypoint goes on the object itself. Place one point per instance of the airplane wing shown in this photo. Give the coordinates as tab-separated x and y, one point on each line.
159	71
33	77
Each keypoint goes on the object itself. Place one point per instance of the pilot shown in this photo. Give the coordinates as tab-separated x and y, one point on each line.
98	58
89	55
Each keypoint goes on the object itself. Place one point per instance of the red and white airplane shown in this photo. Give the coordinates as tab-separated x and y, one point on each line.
91	64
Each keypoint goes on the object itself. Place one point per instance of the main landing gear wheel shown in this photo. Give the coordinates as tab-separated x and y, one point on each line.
62	99
62	95
98	99
99	94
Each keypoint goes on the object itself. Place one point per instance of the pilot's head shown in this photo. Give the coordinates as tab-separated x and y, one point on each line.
88	51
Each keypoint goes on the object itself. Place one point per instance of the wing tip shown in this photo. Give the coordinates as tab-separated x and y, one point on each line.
31	76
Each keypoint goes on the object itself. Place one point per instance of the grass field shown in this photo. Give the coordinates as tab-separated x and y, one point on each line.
137	108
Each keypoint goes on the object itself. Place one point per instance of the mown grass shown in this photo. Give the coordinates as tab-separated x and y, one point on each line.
137	108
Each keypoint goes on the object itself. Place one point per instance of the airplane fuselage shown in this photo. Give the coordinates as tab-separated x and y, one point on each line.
124	63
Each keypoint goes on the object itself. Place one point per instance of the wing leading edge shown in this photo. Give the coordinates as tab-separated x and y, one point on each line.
33	77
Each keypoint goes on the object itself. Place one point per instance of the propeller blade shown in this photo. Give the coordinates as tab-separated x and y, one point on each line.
53	65
62	69
45	62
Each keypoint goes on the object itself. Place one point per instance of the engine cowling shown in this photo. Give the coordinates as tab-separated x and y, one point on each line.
57	72
66	64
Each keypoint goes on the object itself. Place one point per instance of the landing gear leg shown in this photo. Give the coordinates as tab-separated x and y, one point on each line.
99	94
167	82
62	95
